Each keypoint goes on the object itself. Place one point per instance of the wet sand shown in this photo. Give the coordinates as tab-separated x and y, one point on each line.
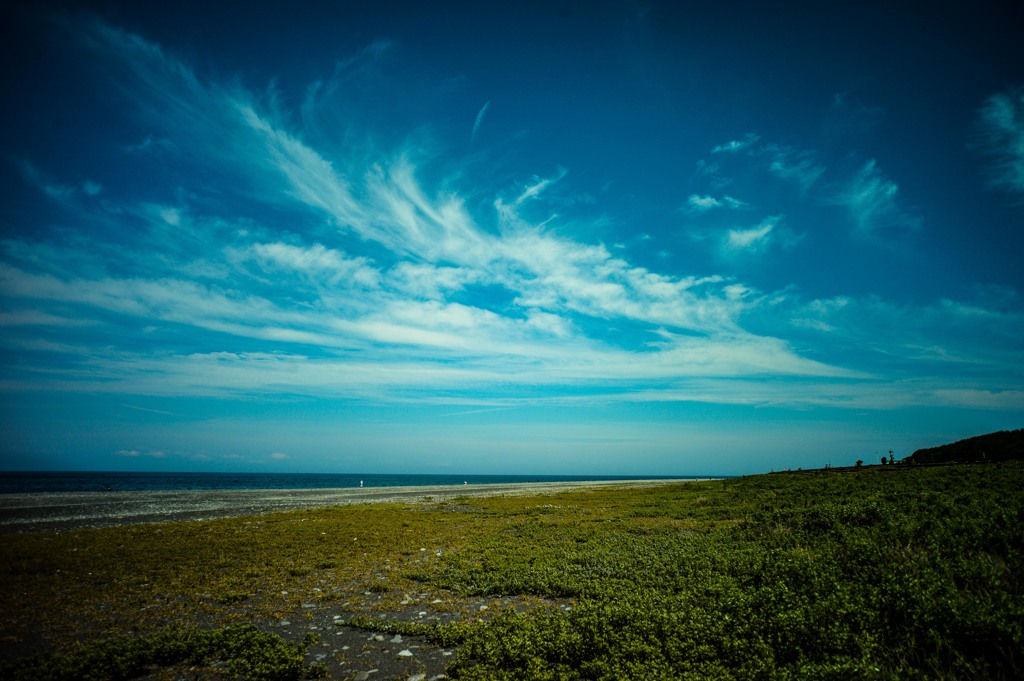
74	510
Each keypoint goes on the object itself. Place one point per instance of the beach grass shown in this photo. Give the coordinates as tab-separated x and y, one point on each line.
883	572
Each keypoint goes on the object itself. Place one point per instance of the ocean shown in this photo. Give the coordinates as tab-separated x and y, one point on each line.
91	481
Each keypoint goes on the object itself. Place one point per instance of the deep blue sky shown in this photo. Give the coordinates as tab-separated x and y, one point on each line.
559	237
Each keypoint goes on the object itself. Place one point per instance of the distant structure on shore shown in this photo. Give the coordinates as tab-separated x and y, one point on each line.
1005	444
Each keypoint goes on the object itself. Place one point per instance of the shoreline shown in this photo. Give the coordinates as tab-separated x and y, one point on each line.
62	511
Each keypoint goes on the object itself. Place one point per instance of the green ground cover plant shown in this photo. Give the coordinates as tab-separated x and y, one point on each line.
243	651
894	572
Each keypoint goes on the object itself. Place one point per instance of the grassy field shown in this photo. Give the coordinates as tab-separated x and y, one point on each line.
883	572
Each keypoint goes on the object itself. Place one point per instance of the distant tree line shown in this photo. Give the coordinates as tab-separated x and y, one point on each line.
1006	444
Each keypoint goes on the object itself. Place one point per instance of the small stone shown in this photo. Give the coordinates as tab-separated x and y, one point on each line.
417	677
405	653
437	600
482	608
377	637
283	623
422	613
397	638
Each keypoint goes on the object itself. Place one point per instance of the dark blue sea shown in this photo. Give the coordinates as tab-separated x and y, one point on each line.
22	482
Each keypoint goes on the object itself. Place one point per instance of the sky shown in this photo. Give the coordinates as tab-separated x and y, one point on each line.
607	237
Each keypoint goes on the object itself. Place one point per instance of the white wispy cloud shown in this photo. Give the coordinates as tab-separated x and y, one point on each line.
57	191
479	119
702	203
171	216
164	90
149	145
699	203
955	339
1001	128
771	233
38	318
319	264
538	185
753	238
312	179
432	282
872	201
561	275
736	146
135	453
799	167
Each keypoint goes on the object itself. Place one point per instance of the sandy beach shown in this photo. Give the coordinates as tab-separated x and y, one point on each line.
68	511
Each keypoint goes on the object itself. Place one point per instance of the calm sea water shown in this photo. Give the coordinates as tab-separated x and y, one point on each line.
21	482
